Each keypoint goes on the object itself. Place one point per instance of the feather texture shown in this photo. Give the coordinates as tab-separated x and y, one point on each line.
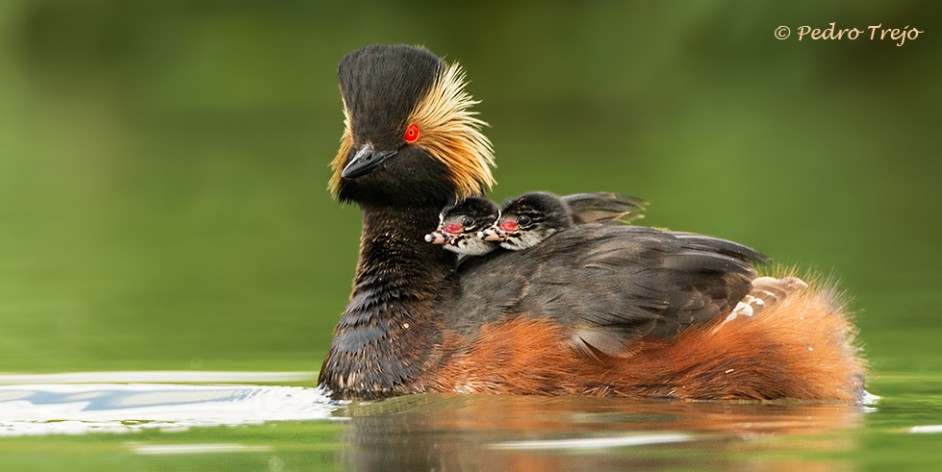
451	133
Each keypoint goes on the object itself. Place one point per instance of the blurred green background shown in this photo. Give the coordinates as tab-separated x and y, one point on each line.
163	164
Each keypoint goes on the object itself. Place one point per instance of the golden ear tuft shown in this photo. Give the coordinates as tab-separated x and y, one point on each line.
346	143
451	133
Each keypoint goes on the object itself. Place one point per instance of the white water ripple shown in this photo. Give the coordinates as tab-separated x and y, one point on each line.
40	409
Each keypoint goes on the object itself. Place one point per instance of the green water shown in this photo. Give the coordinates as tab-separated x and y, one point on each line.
162	202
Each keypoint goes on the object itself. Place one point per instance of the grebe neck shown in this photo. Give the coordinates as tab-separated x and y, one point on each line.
383	344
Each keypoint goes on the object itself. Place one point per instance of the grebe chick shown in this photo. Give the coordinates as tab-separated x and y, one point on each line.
459	225
527	220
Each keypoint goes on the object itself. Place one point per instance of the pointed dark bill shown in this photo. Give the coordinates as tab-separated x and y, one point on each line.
365	160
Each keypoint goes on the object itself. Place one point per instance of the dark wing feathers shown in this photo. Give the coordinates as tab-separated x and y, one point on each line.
589	207
611	284
722	246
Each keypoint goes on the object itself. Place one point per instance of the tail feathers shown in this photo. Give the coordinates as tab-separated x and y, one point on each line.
800	347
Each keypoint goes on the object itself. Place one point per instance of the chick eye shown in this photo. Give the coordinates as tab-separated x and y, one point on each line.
524	220
467	221
412	133
508	225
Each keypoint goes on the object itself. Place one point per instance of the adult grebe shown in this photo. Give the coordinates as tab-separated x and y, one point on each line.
598	309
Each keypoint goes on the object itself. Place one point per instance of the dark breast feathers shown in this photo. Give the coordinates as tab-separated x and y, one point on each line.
609	284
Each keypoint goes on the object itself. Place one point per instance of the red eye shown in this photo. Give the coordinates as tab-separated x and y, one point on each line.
412	133
508	225
453	228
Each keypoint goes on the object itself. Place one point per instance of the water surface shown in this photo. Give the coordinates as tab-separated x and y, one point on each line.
247	427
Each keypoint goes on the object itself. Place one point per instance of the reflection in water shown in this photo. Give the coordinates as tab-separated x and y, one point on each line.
449	432
443	432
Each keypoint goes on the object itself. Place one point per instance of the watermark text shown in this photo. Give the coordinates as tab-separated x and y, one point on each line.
832	32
